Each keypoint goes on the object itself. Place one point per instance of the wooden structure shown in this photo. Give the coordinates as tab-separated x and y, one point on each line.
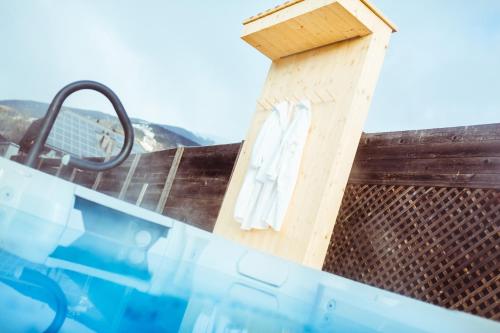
421	217
330	52
444	195
187	183
456	156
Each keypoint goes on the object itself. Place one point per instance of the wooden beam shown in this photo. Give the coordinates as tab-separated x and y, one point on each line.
130	174
140	198
59	168
270	11
109	151
73	175
377	12
170	180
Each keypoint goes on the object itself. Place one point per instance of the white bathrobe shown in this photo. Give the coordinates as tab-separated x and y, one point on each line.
274	166
266	145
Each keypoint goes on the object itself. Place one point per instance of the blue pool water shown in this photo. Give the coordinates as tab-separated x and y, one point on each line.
73	260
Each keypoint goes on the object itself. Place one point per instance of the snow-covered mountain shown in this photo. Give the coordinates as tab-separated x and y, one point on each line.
17	115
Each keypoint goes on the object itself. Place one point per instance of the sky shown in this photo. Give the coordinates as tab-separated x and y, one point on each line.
182	62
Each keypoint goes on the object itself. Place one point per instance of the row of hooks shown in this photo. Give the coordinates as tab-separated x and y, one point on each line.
314	96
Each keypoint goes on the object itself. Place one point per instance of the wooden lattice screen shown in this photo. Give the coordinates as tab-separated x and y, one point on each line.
437	244
421	217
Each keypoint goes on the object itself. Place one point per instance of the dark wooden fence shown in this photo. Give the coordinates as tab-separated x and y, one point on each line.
457	156
420	214
186	183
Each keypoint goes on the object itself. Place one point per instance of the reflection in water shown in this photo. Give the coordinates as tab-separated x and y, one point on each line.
96	284
79	261
105	306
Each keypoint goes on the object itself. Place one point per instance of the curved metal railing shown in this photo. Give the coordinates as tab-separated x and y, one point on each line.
55	108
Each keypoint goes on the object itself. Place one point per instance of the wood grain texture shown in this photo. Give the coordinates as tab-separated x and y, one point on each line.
286	4
195	191
466	156
339	80
298	26
169	180
200	183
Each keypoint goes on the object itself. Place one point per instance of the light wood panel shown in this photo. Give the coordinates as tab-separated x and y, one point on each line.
303	25
339	79
367	3
297	28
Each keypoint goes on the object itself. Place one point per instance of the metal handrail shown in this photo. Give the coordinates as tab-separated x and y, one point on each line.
55	108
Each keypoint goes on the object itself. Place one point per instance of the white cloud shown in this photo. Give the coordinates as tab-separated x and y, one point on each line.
183	63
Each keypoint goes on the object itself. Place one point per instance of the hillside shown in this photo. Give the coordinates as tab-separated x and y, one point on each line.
13	124
17	115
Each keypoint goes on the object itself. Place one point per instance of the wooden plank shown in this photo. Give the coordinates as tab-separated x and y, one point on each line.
97	181
150	200
156	190
130	174
271	11
426	179
201	213
235	161
84	178
157	177
467	156
170	179
199	188
140	198
438	150
295	28
50	162
59	169
66	172
432	165
478	133
200	183
215	149
73	175
377	12
209	163
109	151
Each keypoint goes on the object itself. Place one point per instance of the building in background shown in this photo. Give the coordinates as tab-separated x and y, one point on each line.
79	136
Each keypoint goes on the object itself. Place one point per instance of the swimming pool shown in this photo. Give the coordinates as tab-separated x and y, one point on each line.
74	260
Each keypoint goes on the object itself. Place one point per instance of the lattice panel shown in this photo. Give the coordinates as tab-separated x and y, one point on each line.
437	244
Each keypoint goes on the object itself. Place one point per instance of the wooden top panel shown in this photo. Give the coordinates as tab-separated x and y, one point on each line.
271	11
301	25
284	5
377	12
